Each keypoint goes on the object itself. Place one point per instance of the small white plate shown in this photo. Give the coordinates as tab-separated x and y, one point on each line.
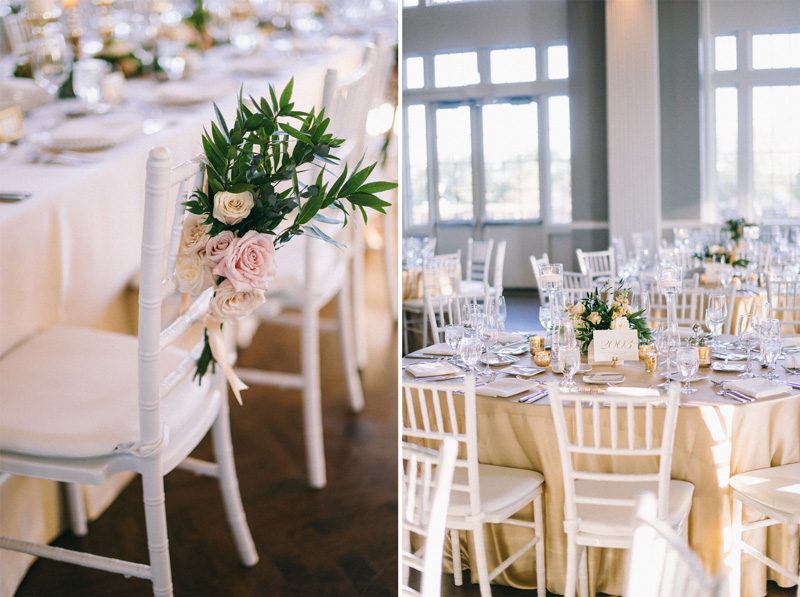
679	377
524	370
499	359
729	367
582	368
604	378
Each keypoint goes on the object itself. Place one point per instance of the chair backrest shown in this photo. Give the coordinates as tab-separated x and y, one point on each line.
479	255
635	431
661	562
686	304
576	286
499	264
784	301
702	304
441	274
447	308
427	478
347	102
18	32
158	284
535	263
435	411
597	263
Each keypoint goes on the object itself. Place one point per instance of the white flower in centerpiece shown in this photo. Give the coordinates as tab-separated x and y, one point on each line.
594	318
620	323
191	275
232	208
229	304
577	309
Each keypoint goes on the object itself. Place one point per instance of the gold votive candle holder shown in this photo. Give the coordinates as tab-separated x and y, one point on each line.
704	354
650	362
541	358
644	349
536	344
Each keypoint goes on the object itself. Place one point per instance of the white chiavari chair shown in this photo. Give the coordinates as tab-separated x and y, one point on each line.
447	308
427	477
783	297
633	433
662	564
496	288
479	257
576	287
481	493
81	405
600	265
774	494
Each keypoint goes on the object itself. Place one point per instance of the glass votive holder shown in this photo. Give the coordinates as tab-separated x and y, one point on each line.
704	354
541	358
536	344
644	349
650	362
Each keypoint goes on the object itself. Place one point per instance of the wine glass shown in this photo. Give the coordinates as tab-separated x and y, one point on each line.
716	310
470	352
748	339
770	351
489	334
87	81
726	275
640	301
544	318
501	311
453	333
667	340
171	56
688	361
569	360
760	312
51	61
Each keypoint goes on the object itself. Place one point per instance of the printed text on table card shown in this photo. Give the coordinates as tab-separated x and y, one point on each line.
623	344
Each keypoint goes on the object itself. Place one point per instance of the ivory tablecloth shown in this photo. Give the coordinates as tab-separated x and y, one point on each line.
712	442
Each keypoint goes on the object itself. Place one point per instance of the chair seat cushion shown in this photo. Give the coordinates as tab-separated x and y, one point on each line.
619	520
776	488
72	392
471	288
501	487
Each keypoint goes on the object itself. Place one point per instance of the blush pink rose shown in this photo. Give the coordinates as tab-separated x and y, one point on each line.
217	247
249	262
229	304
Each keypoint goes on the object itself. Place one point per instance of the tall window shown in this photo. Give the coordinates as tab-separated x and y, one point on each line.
487	136
756	112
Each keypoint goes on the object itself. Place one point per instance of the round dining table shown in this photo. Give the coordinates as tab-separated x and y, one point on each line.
716	437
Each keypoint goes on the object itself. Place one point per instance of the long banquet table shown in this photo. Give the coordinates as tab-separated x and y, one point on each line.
71	249
715	439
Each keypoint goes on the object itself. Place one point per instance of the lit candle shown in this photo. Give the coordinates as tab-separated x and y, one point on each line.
68	4
669	285
548	279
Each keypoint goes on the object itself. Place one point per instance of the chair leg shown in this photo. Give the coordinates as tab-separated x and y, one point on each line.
156	523
229	486
482	567
538	522
344	314
583	571
312	402
77	508
390	259
357	287
570	585
735	578
455	548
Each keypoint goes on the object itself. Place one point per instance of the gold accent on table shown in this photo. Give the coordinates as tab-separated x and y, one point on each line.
541	358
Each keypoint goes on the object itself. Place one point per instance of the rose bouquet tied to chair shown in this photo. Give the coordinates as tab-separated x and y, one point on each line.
267	180
595	312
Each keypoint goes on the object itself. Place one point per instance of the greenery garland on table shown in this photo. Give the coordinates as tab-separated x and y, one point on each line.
595	313
731	257
254	171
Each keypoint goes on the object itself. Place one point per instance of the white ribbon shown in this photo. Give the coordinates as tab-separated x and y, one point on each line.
220	353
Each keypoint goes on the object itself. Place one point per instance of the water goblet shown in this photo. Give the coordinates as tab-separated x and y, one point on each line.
453	333
87	81
770	351
501	311
51	61
748	339
569	359
172	57
688	362
470	352
640	301
726	275
544	317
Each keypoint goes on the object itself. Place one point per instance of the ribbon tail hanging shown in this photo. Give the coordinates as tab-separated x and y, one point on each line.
217	344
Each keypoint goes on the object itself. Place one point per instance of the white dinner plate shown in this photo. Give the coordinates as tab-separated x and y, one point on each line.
603	378
524	370
582	368
679	377
499	359
94	132
729	367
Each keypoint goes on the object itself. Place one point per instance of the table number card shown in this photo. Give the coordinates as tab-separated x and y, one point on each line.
622	344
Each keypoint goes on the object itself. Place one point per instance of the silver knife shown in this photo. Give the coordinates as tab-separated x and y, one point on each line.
13	197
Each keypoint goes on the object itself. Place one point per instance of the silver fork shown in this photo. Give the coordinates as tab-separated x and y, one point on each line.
790	371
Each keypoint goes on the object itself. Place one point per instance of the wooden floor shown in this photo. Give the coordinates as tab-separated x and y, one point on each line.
341	540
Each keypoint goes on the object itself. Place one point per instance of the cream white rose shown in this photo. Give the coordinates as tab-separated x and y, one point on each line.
577	309
232	208
229	304
594	318
194	235
620	323
191	275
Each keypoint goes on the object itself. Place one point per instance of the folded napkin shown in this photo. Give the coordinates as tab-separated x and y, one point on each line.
442	349
617	391
509	337
505	387
432	369
792	361
757	387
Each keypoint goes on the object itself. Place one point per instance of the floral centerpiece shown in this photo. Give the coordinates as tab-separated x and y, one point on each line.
254	201
713	252
595	313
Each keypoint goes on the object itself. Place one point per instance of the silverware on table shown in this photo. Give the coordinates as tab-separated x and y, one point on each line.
13	196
